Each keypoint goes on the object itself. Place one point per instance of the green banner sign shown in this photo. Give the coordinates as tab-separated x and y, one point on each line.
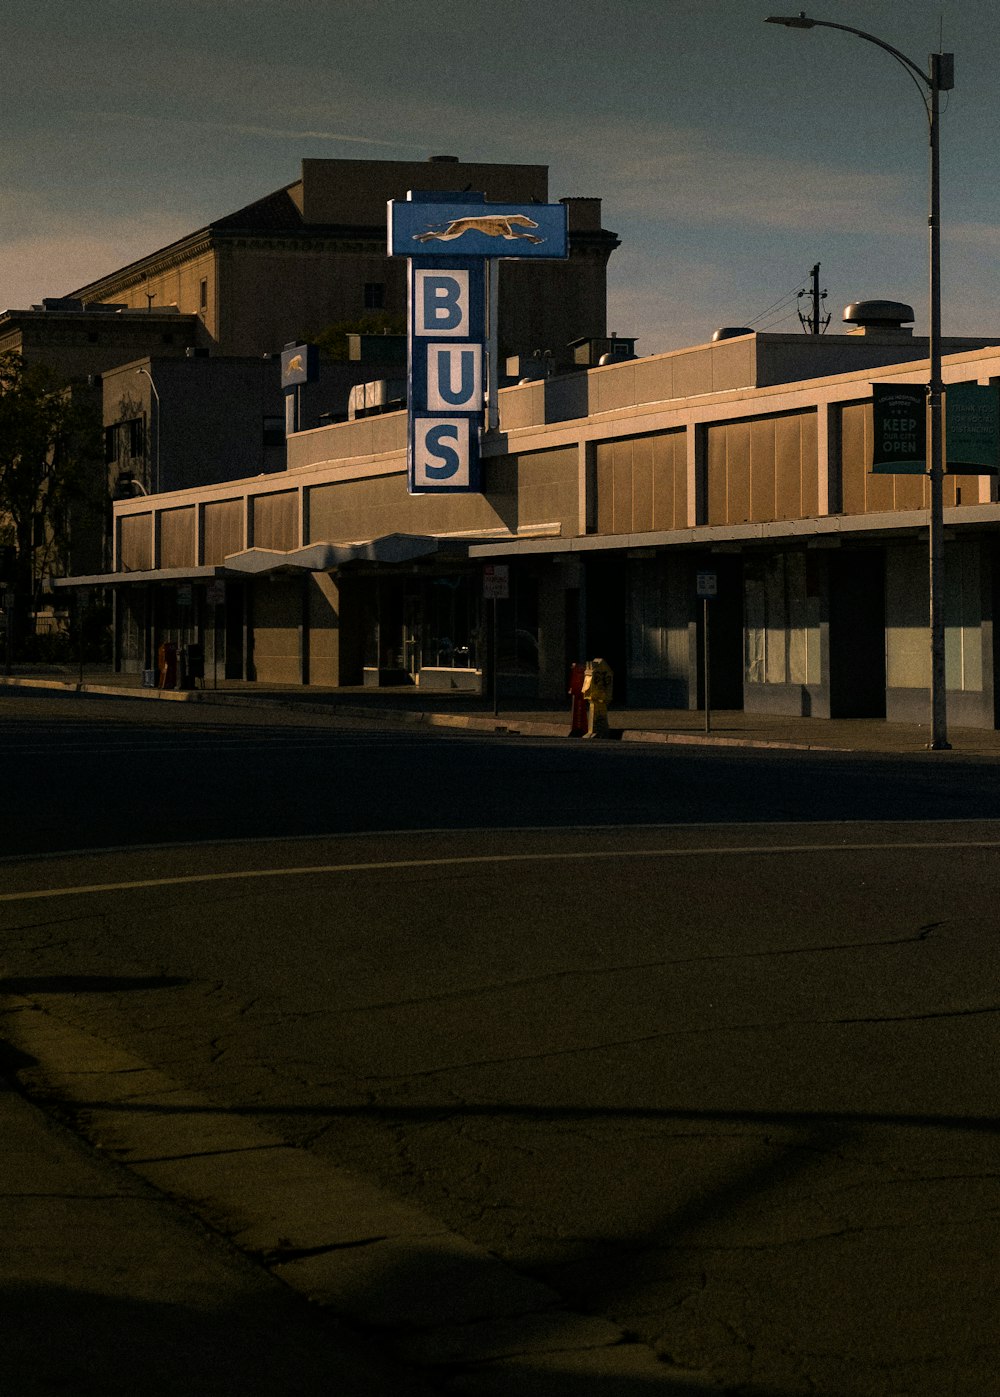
972	428
899	441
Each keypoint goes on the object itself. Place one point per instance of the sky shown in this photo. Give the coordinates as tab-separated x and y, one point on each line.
731	155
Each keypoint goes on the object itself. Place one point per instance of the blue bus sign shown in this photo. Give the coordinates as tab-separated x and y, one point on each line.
446	375
466	224
448	239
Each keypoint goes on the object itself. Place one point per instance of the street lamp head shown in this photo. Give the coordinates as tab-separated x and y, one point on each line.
798	21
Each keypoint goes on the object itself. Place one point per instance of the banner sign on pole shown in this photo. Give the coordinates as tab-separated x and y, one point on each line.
899	439
972	428
448	239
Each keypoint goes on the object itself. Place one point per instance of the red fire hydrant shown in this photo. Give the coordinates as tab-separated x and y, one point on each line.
578	723
167	664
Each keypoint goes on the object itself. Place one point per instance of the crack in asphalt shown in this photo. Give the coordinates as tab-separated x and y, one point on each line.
769	1026
554	976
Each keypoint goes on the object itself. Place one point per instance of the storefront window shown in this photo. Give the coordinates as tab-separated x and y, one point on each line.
781	609
449	631
518	626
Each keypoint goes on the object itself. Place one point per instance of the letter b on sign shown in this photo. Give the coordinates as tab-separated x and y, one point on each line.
442	303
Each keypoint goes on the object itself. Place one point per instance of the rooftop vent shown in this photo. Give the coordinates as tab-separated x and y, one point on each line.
730	332
878	315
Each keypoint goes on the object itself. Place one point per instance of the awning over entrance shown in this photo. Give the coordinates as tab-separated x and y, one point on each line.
262	562
322	557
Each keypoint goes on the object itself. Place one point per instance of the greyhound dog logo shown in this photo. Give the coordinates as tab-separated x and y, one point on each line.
492	225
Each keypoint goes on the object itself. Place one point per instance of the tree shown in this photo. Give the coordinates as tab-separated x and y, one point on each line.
332	340
49	445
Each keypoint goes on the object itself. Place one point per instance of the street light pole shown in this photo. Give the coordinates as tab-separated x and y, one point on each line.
147	374
939	78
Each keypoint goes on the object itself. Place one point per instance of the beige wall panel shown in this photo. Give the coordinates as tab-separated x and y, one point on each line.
654	380
880	490
733	364
692	374
738	472
177	538
276	611
968	485
642	484
604	473
788	468
762	473
275	521
682	504
911	492
366	436
665	504
221	530
855	436
715	468
135	543
324	630
522	406
355	510
614	388
622	487
907	647
389	433
547	488
809	445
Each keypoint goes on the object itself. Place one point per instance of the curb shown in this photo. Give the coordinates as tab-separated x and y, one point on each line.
335	1237
468	721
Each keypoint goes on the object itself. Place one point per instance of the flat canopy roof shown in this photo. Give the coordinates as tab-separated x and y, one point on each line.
259	562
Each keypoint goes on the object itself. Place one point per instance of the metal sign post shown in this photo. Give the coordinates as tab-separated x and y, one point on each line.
83	598
708	587
216	598
496	587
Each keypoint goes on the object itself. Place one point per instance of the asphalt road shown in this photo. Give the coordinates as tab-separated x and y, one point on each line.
706	1041
97	773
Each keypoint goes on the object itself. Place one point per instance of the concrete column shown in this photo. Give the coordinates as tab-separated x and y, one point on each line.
586	487
697	492
823	456
829	457
989	485
553	665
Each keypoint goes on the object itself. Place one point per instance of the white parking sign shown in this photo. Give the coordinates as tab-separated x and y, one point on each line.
708	584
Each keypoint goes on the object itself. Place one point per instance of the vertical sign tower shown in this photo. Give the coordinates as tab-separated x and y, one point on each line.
449	239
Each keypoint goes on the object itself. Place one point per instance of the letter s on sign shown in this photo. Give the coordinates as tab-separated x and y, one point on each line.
441	451
436	444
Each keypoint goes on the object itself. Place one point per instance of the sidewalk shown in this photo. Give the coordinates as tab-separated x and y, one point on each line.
530	718
109	1289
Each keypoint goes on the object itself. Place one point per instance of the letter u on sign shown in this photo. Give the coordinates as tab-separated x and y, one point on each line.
454	377
441	303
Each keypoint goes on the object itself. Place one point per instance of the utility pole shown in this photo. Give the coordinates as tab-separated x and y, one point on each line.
816	323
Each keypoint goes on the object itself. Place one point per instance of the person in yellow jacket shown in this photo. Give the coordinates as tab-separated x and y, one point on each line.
598	684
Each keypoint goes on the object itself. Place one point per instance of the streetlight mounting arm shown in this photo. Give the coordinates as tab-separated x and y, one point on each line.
941	75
